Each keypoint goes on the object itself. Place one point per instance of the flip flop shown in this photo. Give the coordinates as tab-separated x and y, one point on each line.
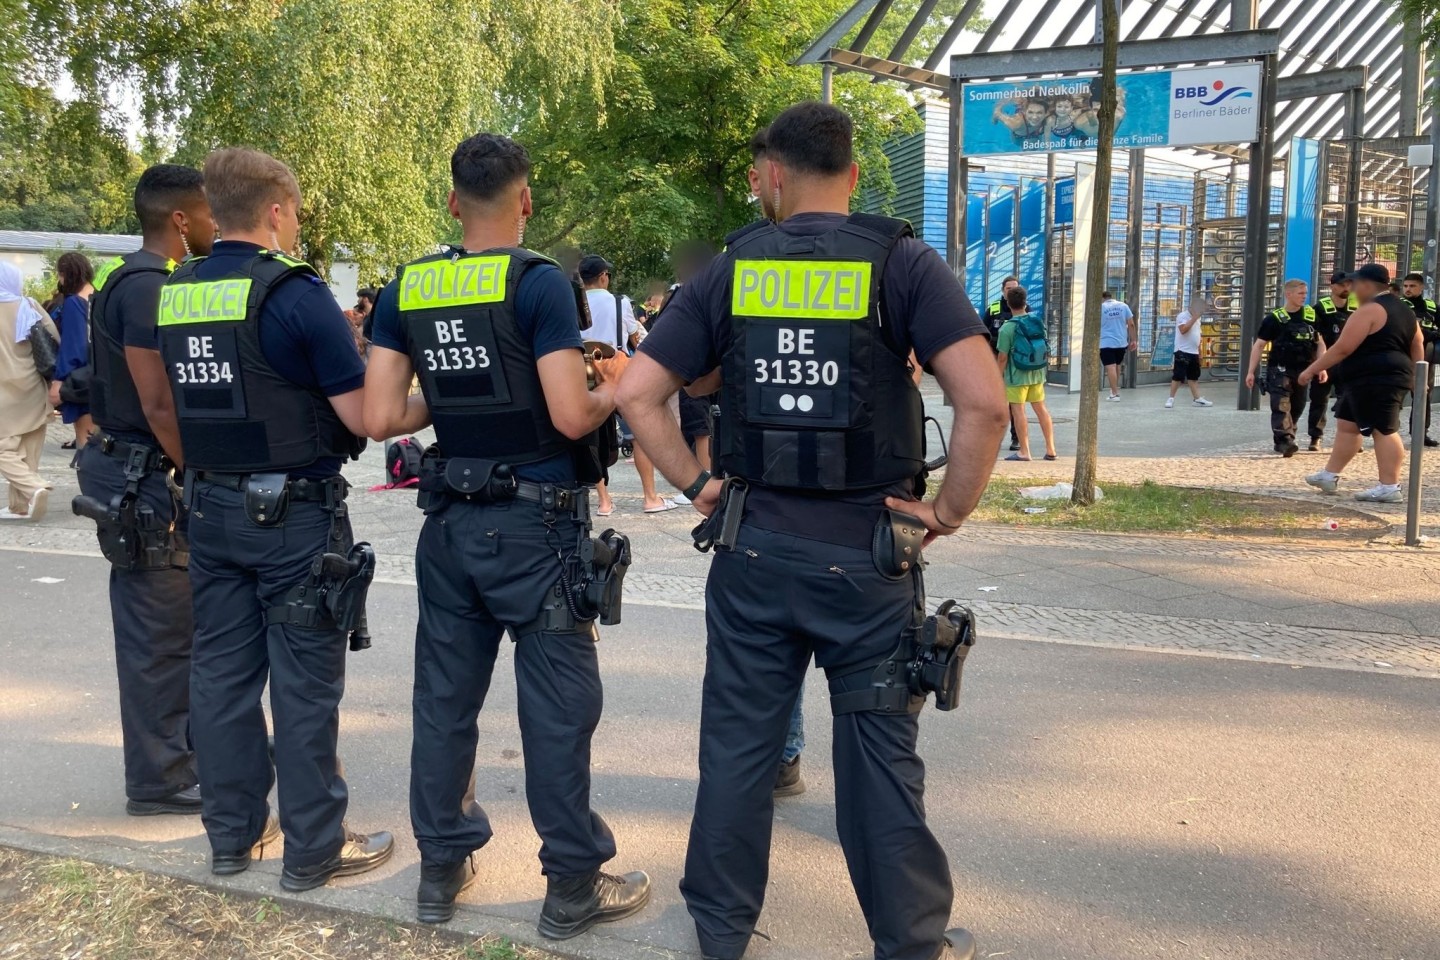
604	513
1051	456
1016	456
668	505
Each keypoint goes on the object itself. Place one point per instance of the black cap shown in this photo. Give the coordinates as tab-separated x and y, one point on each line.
1374	272
1339	276
592	265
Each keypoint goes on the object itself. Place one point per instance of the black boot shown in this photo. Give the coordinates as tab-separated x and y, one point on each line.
359	854
440	883
1431	441
575	904
959	945
182	802
789	783
224	863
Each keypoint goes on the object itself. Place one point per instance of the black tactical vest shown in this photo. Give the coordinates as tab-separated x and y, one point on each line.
815	395
114	401
237	414
477	372
1296	345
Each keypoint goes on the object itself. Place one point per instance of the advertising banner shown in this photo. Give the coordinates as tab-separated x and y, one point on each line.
1065	201
975	248
1161	108
999	241
1030	267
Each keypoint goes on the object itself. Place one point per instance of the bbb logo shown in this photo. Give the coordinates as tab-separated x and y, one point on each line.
1216	93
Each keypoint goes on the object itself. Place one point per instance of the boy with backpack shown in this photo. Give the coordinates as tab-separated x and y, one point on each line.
1024	356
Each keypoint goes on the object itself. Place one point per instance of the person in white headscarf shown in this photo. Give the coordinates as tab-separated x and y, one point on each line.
24	408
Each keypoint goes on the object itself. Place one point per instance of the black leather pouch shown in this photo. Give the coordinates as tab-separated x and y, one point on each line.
896	544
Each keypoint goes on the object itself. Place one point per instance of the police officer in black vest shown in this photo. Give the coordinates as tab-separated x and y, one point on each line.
493	330
1290	332
1331	311
996	316
267	386
1413	289
123	474
821	446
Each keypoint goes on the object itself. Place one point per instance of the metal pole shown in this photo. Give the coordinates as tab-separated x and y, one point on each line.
1419	401
827	81
1412	66
955	190
1134	249
1257	231
1354	167
1432	199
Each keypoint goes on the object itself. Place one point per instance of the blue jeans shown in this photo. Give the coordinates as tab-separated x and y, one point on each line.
795	737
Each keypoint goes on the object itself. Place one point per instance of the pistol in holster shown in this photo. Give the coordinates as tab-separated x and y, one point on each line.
332	594
604	561
929	659
720	530
132	535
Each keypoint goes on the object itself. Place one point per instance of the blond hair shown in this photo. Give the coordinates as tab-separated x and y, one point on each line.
1295	285
241	184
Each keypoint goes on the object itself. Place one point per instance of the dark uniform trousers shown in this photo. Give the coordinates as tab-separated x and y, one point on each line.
482	569
153	631
1319	404
1287	402
836	604
237	569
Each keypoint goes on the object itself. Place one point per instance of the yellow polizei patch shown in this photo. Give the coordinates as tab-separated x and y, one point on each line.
213	301
453	283
808	289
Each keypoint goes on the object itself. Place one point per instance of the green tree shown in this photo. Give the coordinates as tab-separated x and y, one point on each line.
364	99
663	158
1426	13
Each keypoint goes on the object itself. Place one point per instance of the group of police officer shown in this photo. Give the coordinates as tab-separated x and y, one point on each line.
228	393
1297	333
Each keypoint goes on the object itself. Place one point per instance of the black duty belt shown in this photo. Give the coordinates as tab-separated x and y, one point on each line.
301	489
147	457
554	498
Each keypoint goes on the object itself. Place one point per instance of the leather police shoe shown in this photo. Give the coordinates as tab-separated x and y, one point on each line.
361	853
224	863
440	883
575	904
184	802
959	945
789	783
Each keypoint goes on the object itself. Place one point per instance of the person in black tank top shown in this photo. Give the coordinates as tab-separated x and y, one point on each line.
1376	356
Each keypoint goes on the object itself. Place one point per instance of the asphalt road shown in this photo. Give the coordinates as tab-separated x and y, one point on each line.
1096	804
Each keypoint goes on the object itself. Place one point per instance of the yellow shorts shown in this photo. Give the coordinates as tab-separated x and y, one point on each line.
1030	393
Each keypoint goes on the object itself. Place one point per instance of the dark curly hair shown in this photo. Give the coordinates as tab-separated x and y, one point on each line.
72	272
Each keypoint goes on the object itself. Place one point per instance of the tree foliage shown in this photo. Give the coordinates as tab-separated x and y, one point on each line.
664	157
1427	14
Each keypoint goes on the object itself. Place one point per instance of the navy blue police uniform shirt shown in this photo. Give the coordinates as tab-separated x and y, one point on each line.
134	309
546	315
925	310
303	334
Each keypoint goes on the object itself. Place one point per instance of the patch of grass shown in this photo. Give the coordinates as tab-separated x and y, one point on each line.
53	908
1154	508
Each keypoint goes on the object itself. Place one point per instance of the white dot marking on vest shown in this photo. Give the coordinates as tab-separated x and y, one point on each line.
787	402
806	403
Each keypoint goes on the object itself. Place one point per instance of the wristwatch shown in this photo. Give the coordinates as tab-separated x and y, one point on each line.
693	491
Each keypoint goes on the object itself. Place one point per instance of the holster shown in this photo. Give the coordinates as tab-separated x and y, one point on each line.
929	659
131	535
604	561
267	498
333	594
896	544
720	530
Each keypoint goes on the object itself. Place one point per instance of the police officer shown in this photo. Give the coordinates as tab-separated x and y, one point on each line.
996	316
1331	312
267	387
821	434
123	471
1290	332
493	331
1413	289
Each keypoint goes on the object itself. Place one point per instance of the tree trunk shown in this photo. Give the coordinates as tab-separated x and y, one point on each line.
1087	451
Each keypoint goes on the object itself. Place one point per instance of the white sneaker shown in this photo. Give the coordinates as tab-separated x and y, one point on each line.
39	503
1114	396
1381	493
1169	402
1325	480
1202	402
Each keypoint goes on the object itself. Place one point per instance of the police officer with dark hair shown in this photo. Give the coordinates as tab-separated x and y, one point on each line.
123	472
1413	291
267	387
1290	332
492	329
1331	312
821	445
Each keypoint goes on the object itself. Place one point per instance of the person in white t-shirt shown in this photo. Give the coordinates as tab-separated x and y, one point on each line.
612	320
1187	353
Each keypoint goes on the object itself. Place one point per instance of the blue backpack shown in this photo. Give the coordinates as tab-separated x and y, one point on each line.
1031	348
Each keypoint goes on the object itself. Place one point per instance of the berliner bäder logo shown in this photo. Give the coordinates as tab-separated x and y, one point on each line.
1217	93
